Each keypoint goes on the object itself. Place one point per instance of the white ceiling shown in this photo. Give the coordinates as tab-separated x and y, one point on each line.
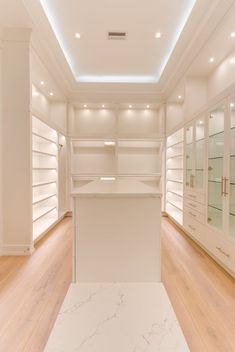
139	58
220	45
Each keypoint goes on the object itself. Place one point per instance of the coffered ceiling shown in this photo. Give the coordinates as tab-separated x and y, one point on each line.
140	58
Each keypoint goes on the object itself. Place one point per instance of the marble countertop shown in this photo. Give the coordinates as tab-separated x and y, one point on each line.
117	188
128	317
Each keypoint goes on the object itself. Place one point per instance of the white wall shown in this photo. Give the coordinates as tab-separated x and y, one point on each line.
222	77
174	113
1	217
16	142
195	96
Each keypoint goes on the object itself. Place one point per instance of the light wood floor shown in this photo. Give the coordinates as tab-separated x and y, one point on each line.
32	290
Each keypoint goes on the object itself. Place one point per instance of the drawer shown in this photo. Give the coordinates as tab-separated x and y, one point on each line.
194	228
195	214
222	249
194	205
196	196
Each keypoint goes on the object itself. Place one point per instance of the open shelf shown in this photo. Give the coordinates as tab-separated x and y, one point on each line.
174	175
44	174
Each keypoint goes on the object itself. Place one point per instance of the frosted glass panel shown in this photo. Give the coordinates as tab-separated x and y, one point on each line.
189	135
215	168
189	164
200	130
199	163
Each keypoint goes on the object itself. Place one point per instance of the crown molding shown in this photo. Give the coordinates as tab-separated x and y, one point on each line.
208	17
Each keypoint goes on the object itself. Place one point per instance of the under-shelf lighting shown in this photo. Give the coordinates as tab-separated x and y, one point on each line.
78	35
232	35
211	60
147	106
109	143
200	122
103	106
130	106
108	178
42	83
51	94
85	106
232	105
179	96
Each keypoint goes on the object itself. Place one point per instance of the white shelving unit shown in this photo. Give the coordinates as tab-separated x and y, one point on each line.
174	176
44	177
117	143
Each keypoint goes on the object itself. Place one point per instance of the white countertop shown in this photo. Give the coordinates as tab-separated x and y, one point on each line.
135	317
117	188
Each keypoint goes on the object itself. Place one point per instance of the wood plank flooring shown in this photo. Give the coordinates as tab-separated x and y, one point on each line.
32	290
201	292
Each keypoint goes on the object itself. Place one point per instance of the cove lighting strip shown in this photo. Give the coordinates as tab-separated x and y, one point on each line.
48	7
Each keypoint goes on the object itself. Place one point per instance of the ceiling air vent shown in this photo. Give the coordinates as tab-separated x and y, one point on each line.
116	35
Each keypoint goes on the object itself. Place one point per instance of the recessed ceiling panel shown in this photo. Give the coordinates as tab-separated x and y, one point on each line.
139	57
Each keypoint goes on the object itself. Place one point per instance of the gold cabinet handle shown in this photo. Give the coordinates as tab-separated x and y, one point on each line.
192	228
225	186
221	251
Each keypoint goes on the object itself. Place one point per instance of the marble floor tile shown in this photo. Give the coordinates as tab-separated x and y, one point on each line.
128	317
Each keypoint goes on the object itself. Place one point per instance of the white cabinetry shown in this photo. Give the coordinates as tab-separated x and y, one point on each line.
209	181
44	176
115	143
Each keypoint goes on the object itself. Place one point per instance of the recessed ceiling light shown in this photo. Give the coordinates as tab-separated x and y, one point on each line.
130	106
78	35
85	106
103	106
147	106
232	35
51	94
200	122
211	59
179	96
158	35
232	105
42	83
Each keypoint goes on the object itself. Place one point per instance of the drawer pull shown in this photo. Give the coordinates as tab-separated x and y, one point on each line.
192	228
192	214
209	219
221	251
192	196
192	205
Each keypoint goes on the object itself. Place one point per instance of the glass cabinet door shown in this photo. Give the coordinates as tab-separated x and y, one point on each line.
198	180
215	168
189	156
232	172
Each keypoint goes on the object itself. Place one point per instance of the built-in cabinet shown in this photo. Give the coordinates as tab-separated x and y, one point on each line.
115	143
208	192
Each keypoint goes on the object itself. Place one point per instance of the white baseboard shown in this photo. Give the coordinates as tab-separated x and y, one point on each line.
15	250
